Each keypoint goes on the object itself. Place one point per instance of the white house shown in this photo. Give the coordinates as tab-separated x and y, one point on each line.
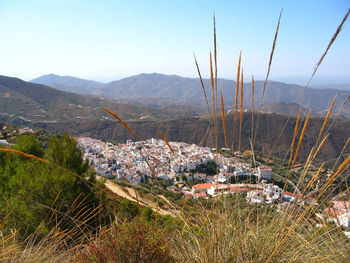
264	173
201	187
344	220
255	197
272	192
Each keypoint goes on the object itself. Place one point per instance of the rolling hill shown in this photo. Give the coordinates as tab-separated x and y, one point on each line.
68	83
24	103
158	90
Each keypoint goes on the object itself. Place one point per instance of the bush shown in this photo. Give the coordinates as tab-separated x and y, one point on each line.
35	193
136	241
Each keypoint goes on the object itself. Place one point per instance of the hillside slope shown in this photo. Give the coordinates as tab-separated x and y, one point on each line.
68	83
26	102
197	130
189	90
159	90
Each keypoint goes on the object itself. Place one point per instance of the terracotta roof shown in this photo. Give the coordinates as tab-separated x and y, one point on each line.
341	204
202	186
333	212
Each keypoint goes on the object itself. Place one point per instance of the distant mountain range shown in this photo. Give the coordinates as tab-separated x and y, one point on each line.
68	83
25	102
158	90
344	86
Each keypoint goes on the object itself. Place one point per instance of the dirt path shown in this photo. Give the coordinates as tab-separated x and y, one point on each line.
130	194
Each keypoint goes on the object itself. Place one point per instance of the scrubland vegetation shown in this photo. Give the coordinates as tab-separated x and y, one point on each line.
53	209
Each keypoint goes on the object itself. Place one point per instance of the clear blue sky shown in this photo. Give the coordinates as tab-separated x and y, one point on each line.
107	40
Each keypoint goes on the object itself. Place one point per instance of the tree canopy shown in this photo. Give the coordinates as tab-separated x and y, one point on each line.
36	193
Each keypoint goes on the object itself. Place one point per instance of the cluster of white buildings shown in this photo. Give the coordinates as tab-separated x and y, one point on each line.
339	213
133	161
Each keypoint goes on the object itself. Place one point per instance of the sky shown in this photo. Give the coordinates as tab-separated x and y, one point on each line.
107	40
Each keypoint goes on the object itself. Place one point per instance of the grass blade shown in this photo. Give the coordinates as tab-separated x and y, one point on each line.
119	119
301	138
223	118
267	74
294	137
166	141
214	105
252	128
202	85
241	114
236	101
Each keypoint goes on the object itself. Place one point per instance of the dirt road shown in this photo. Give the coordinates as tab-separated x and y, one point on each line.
130	194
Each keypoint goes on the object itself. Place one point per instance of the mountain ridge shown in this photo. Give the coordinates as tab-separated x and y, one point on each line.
68	83
36	102
160	90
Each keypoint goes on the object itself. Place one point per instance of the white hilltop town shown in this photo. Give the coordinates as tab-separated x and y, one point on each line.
136	162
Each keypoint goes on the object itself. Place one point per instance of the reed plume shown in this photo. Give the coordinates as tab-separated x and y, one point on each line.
236	101
223	117
119	119
213	101
241	114
215	63
126	126
334	37
202	85
326	119
23	154
166	141
314	178
252	128
296	128
301	138
267	74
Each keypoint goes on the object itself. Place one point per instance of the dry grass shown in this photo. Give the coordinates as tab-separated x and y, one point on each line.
251	234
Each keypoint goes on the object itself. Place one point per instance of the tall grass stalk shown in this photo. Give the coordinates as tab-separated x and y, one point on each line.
267	75
296	128
236	101
334	37
241	114
252	125
213	102
223	117
301	138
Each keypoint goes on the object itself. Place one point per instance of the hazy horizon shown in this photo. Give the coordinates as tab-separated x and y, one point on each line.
111	40
319	82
